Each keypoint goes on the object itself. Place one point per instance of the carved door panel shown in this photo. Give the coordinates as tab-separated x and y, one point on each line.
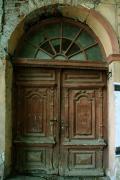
82	118
36	136
59	119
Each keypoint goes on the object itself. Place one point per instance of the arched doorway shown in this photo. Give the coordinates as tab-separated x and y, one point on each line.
60	100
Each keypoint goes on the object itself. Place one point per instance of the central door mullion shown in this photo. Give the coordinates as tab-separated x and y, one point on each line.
58	72
59	102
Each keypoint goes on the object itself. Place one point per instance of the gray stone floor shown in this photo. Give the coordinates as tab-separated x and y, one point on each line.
55	178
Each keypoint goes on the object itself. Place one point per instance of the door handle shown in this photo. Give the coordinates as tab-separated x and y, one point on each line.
52	121
63	125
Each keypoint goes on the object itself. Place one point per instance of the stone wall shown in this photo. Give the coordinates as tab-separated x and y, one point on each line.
11	13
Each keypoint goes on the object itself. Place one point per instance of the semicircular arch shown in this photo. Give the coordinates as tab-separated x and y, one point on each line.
98	24
60	39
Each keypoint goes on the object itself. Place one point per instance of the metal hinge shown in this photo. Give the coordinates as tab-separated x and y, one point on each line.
109	75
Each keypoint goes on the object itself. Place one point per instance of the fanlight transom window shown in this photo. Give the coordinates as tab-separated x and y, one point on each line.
60	40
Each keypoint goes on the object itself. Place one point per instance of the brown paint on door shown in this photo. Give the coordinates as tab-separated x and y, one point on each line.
58	121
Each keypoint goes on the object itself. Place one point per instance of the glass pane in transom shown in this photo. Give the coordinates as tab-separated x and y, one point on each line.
70	31
36	38
27	51
65	44
73	49
52	30
85	39
56	44
78	57
47	47
42	55
94	54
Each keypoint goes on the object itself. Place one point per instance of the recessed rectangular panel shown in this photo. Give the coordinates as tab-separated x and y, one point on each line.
35	74
82	113
37	156
82	162
33	159
82	76
83	116
35	108
81	159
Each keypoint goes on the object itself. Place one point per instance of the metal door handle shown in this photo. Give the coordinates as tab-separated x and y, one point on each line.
63	125
53	120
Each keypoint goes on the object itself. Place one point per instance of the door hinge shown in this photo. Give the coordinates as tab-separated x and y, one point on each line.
109	75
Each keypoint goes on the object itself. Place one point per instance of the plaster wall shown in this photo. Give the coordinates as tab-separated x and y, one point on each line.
2	109
108	10
13	12
114	167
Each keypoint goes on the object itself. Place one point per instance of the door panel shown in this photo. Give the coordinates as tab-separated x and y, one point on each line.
35	121
34	159
81	161
82	123
81	116
59	118
83	78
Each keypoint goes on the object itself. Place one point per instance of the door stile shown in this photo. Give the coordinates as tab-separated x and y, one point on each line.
64	126
58	120
59	103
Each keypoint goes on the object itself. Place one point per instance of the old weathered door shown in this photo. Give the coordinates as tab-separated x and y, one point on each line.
35	119
83	115
59	119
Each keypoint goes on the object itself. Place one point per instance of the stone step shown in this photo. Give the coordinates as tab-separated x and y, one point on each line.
56	178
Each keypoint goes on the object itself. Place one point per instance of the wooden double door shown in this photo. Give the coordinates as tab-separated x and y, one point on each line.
59	115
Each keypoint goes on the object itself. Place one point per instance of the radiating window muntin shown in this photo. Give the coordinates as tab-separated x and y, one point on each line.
60	40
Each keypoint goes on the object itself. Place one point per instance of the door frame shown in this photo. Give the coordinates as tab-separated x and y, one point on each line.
100	66
103	65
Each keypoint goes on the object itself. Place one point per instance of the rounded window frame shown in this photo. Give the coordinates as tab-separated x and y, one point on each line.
53	20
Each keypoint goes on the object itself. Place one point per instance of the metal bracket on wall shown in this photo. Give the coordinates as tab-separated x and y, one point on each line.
9	56
109	75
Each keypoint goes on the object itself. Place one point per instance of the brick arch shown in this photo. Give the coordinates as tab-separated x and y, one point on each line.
99	25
